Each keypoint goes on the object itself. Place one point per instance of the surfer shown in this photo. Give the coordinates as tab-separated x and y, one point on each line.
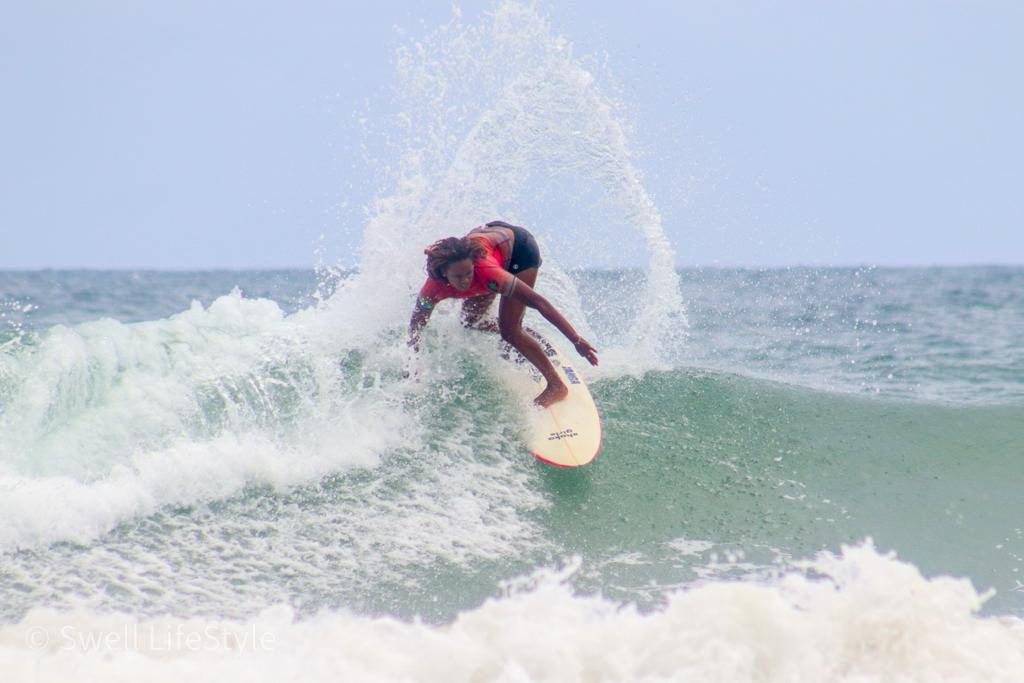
496	258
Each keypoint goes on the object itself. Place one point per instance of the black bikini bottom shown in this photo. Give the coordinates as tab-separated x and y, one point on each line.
525	252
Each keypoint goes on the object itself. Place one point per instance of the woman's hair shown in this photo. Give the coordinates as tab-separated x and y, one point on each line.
443	253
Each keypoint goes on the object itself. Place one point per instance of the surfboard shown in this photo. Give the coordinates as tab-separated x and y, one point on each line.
567	433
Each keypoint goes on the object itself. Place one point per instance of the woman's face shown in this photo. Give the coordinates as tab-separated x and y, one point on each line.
460	274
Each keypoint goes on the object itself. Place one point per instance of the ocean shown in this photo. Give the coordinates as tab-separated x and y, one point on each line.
807	473
201	470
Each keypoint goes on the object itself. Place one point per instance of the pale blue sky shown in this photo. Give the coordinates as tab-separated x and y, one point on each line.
195	134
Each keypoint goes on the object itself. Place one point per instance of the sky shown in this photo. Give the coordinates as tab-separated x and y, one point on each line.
231	134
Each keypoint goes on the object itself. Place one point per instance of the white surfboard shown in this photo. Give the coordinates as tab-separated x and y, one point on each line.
567	433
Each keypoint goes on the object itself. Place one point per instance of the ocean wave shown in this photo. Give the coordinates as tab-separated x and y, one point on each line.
858	616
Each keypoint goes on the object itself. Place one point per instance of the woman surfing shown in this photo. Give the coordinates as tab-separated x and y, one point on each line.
496	258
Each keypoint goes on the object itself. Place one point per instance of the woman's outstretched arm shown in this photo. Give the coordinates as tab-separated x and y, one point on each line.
528	296
420	316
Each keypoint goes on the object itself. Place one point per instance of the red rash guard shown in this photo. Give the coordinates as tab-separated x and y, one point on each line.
488	278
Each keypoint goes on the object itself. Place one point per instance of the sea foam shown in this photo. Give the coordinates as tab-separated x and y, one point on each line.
859	616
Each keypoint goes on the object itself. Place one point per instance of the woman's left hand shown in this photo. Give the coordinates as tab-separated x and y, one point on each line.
584	348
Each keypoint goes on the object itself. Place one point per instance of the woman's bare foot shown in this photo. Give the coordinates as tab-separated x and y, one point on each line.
552	394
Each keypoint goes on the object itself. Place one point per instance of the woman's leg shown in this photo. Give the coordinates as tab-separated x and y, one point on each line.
510	324
473	310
